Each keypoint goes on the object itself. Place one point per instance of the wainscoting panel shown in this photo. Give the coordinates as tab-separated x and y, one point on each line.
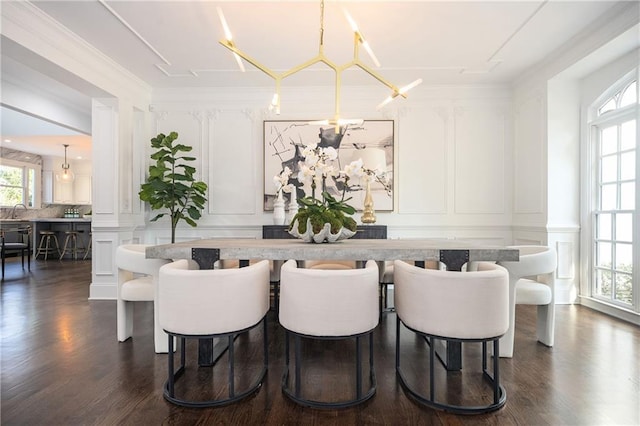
103	259
529	157
480	138
232	163
422	176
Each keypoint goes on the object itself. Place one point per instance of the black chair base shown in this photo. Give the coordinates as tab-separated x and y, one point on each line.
233	395
295	394
23	248
499	393
384	299
276	296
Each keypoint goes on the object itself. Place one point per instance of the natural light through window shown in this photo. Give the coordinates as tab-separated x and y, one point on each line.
616	206
17	184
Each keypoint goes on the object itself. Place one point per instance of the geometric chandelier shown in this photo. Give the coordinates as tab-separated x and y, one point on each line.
320	58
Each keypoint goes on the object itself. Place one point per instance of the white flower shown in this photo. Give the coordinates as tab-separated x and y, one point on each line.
329	153
354	169
317	164
311	160
281	180
288	188
277	182
306	174
309	150
325	170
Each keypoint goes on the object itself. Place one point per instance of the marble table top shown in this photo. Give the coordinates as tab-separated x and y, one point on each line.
379	250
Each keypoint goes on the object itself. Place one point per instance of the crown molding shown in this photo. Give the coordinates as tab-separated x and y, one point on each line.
607	27
34	30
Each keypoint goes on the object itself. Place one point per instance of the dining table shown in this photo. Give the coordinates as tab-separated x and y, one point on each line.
454	253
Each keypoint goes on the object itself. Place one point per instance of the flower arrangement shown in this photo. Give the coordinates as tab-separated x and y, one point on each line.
314	171
317	171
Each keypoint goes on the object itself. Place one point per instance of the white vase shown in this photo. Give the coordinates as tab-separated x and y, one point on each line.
293	206
278	210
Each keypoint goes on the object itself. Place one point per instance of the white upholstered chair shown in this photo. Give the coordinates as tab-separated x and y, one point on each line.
137	281
531	282
330	264
209	304
459	306
274	274
328	304
386	279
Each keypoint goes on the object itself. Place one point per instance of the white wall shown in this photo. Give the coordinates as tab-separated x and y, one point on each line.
452	152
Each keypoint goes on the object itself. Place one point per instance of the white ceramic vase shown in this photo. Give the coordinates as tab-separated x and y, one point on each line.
293	205
278	210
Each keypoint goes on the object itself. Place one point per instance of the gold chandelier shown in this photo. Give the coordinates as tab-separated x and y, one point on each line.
320	58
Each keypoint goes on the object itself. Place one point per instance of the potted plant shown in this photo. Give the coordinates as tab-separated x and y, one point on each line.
328	215
324	219
171	184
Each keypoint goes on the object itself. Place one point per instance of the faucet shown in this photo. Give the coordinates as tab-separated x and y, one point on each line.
13	212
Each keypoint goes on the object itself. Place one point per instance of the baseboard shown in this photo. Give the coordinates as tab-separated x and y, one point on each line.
611	310
103	292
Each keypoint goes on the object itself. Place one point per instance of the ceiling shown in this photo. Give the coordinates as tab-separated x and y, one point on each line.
26	133
175	43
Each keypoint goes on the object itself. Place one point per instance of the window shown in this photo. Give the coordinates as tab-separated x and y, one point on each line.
614	274
19	183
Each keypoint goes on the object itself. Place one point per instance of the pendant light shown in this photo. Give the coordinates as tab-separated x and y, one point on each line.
66	175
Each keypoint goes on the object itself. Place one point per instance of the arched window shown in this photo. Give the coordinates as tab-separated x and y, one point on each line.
627	95
614	211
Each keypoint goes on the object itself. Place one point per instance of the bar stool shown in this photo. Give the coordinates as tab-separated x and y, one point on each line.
72	237
45	247
88	250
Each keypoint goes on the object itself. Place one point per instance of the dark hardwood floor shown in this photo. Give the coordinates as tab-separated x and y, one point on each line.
62	365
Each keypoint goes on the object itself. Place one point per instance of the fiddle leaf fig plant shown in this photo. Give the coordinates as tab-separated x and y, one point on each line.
171	183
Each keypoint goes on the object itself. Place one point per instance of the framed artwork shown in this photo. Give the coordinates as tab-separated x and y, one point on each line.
284	142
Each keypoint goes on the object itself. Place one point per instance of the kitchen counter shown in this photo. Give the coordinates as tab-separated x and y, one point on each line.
60	219
60	225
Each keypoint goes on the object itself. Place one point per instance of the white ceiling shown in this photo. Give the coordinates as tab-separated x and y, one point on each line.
175	43
443	42
26	133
